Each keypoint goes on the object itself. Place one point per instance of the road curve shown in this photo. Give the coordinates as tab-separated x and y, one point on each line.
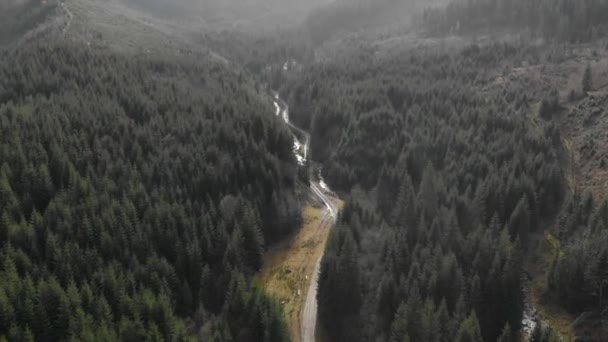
330	205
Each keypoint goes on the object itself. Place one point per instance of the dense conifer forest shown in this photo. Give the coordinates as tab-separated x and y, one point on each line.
451	174
137	195
459	177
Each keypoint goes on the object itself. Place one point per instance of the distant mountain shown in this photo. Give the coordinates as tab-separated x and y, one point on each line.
19	16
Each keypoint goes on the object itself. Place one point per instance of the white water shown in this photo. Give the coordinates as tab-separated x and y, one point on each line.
528	320
322	183
300	150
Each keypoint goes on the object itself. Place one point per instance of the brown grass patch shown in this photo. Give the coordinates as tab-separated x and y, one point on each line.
288	267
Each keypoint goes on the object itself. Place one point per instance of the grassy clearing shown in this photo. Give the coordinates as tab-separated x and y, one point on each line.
289	266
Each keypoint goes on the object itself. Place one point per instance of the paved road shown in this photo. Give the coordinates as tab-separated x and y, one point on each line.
309	314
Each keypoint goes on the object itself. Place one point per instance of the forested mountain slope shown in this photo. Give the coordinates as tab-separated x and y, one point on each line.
137	194
459	162
143	172
457	177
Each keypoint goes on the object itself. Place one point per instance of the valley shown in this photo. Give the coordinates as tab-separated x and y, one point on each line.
291	269
343	170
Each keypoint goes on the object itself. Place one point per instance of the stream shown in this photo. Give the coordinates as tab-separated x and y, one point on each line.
530	316
318	189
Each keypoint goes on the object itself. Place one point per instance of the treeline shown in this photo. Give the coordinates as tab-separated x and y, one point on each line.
349	16
562	20
457	179
137	195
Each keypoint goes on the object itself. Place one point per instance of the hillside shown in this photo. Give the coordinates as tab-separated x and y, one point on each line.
142	178
472	160
17	17
458	179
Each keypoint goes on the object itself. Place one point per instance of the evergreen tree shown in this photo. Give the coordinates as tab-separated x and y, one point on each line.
107	235
587	80
469	330
507	334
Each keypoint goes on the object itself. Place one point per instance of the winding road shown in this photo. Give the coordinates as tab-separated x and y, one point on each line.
330	214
